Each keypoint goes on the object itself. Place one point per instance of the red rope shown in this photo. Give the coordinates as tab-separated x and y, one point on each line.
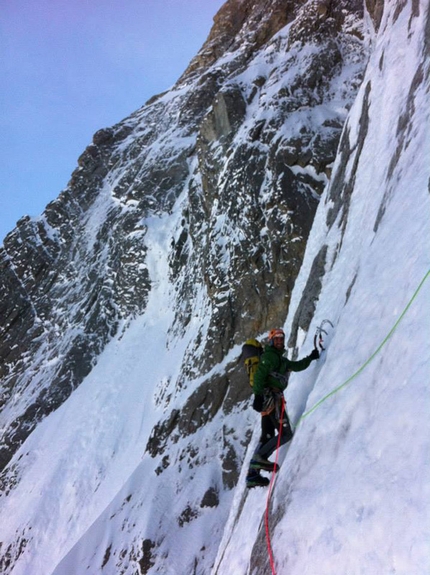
272	481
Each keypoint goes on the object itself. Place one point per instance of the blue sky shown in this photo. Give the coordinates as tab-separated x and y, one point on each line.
71	67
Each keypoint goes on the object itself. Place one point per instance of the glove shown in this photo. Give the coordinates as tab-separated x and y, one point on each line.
315	354
258	403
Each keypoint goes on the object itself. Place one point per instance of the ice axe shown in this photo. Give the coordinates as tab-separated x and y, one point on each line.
318	337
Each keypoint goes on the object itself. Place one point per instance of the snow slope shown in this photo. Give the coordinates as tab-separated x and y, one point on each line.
352	494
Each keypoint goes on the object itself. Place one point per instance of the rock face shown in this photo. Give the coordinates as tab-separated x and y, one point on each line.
242	147
249	133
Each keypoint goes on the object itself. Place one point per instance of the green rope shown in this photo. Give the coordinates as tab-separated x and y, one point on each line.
374	354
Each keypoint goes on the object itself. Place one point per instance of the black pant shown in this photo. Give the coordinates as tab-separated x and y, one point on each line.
268	440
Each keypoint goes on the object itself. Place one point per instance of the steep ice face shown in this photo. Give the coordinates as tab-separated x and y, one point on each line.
352	491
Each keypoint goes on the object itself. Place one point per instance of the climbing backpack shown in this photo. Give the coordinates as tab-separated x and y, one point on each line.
251	352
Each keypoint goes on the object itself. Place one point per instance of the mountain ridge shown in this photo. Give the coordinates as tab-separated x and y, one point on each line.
248	195
140	167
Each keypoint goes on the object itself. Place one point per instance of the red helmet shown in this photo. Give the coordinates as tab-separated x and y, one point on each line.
276	333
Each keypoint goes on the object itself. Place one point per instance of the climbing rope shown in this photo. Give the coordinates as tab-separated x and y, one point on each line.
272	481
374	354
307	413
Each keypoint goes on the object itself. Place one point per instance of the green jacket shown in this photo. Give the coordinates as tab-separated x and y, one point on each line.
273	360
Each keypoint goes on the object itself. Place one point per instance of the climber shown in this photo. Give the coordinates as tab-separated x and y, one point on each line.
270	380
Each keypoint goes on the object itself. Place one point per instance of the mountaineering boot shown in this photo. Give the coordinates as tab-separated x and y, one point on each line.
259	462
254	479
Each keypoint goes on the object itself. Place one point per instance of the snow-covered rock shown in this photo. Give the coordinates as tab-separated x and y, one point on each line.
189	227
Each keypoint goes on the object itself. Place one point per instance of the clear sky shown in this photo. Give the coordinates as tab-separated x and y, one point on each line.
71	67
